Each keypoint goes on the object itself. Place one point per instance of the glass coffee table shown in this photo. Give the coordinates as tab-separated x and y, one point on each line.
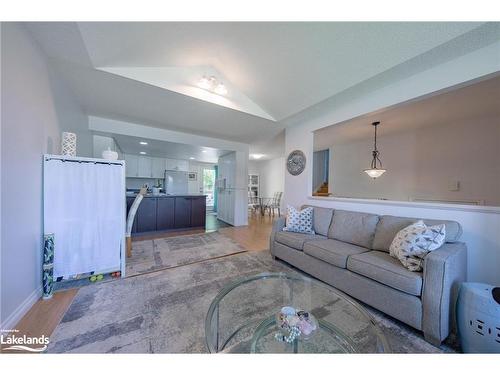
243	317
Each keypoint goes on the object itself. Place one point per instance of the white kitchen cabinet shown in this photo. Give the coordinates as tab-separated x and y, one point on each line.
232	187
158	167
177	165
131	165
144	167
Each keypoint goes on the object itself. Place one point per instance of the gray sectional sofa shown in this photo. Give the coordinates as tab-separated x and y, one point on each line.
350	251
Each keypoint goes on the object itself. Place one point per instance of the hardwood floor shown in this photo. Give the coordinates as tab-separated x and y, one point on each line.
253	237
44	316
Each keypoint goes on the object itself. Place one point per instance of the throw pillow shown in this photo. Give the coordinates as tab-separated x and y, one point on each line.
414	242
299	221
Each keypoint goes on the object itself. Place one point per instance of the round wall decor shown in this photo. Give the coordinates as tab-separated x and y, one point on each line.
296	162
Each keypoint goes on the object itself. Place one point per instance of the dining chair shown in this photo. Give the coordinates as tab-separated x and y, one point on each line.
276	203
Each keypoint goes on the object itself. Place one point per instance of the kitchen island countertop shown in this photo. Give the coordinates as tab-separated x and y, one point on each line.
163	195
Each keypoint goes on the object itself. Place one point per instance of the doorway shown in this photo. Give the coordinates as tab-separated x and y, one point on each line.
209	187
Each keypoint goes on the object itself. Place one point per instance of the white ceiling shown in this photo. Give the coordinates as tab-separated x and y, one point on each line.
281	67
284	67
162	149
185	80
477	100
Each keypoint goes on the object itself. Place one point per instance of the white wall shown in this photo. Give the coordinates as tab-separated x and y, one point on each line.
102	143
137	183
480	228
36	107
422	162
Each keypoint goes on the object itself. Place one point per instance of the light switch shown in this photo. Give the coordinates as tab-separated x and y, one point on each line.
454	185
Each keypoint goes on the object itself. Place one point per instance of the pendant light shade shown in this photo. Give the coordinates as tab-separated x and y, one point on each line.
374	171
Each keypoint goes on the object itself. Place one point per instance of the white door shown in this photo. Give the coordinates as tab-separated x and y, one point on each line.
230	206
221	206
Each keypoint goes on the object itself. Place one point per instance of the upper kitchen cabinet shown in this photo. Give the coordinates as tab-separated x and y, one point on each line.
145	167
151	167
131	165
177	165
158	167
139	166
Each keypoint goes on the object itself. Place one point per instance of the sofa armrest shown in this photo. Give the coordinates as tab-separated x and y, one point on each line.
278	226
444	270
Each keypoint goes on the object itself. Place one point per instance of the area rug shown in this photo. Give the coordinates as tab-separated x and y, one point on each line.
157	254
164	312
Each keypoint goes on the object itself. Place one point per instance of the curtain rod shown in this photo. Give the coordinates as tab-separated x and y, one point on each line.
76	160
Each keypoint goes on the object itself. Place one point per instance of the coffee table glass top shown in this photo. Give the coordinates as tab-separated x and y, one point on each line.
243	316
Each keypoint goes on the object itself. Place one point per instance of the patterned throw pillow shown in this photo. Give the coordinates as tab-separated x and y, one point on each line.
414	242
299	221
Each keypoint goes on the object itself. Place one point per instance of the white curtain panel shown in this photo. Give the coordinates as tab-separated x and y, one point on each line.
84	208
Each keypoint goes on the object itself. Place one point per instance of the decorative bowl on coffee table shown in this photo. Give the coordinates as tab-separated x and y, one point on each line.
243	318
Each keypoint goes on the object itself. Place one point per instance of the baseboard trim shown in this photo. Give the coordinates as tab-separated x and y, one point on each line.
21	310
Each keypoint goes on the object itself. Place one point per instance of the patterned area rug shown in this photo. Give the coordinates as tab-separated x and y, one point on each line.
164	312
158	254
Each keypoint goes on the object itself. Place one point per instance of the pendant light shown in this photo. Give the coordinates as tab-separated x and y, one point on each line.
375	172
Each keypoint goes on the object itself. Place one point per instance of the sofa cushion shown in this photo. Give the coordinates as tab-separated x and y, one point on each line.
357	228
381	267
299	221
322	218
388	226
332	251
295	240
413	243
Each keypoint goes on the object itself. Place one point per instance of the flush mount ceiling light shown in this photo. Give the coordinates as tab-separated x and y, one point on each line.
220	89
257	156
142	153
374	171
143	143
212	84
191	158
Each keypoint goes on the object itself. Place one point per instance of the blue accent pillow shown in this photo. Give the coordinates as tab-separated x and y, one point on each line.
299	221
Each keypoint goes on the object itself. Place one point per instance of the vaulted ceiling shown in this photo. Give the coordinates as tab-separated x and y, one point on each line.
143	72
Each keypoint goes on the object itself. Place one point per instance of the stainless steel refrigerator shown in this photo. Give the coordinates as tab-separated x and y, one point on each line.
176	182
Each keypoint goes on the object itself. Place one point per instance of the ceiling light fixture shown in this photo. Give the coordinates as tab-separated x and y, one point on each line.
142	153
203	151
206	82
143	143
257	156
212	84
220	89
375	172
191	158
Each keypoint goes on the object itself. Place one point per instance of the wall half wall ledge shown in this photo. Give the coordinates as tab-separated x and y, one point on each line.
430	205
